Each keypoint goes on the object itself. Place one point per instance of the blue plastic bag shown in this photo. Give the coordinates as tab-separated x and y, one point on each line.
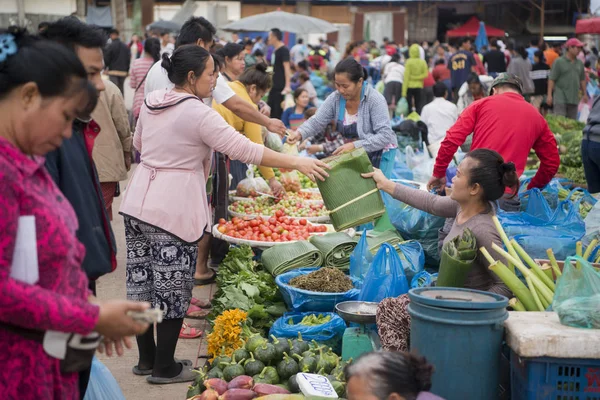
401	170
412	258
550	193
415	224
385	277
360	259
423	279
540	228
304	300
329	333
102	385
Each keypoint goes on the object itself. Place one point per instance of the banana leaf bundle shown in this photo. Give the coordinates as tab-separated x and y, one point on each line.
288	256
336	249
351	199
376	239
458	256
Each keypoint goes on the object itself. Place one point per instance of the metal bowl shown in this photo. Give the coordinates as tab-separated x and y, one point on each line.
360	312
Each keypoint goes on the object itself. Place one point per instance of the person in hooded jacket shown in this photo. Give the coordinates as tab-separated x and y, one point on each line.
415	72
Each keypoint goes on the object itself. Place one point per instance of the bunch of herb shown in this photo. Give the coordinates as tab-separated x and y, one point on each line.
243	284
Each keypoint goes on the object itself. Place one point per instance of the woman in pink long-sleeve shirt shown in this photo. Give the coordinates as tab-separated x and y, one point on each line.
165	205
43	289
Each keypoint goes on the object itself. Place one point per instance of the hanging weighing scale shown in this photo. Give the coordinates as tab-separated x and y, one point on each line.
362	338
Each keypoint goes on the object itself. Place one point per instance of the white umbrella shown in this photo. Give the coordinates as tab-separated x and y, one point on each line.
287	22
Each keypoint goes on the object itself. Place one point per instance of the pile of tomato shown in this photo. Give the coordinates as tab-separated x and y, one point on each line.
279	228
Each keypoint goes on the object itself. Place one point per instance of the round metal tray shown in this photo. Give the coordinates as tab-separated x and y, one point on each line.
360	312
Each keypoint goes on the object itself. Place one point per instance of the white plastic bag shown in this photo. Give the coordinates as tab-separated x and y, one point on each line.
103	385
420	164
584	112
592	221
250	186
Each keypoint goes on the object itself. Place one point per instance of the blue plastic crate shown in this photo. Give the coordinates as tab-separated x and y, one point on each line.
554	378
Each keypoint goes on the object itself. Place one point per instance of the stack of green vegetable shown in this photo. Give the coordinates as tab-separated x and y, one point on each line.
286	257
568	133
537	295
351	199
242	284
586	202
458	256
268	367
336	249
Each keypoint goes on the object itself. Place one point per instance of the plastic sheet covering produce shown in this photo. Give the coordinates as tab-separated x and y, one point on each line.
540	227
329	333
577	296
385	277
305	300
102	385
415	224
335	248
288	256
458	256
351	199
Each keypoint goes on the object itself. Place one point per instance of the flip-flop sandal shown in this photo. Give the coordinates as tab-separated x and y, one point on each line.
188	332
186	375
201	303
206	281
195	312
143	372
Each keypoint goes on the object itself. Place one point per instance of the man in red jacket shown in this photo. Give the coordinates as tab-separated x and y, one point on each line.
504	122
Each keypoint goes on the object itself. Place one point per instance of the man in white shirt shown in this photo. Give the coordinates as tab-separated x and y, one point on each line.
199	31
439	116
299	52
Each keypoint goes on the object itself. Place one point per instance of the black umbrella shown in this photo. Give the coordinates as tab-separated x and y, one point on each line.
165	26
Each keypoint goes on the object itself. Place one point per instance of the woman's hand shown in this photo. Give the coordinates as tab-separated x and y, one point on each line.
276	187
314	169
382	182
113	321
346	148
276	126
294	137
110	346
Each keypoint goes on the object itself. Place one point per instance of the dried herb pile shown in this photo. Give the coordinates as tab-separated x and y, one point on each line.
325	280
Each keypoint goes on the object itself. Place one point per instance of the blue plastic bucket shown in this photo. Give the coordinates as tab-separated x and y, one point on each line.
460	332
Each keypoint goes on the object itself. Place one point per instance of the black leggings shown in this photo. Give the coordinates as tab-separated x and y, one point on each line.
415	98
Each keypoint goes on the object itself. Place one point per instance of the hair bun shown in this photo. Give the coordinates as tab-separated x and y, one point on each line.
166	63
261	67
508	167
422	371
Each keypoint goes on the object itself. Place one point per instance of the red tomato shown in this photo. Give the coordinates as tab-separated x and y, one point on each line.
222	221
268	232
272	221
278	213
275	236
303	222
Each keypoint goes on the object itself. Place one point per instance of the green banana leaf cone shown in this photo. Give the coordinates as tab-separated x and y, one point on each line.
458	256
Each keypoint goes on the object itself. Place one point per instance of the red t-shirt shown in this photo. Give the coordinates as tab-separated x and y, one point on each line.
511	126
440	73
429	81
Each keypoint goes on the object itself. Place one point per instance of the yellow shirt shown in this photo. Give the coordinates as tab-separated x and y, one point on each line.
251	130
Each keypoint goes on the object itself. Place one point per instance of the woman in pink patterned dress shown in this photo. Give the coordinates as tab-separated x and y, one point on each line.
48	296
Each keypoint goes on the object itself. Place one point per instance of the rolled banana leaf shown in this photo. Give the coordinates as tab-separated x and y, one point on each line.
288	256
336	249
458	256
376	239
351	199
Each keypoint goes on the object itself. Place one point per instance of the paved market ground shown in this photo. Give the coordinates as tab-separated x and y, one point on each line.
112	286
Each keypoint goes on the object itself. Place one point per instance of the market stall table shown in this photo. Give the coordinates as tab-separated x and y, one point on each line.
552	360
